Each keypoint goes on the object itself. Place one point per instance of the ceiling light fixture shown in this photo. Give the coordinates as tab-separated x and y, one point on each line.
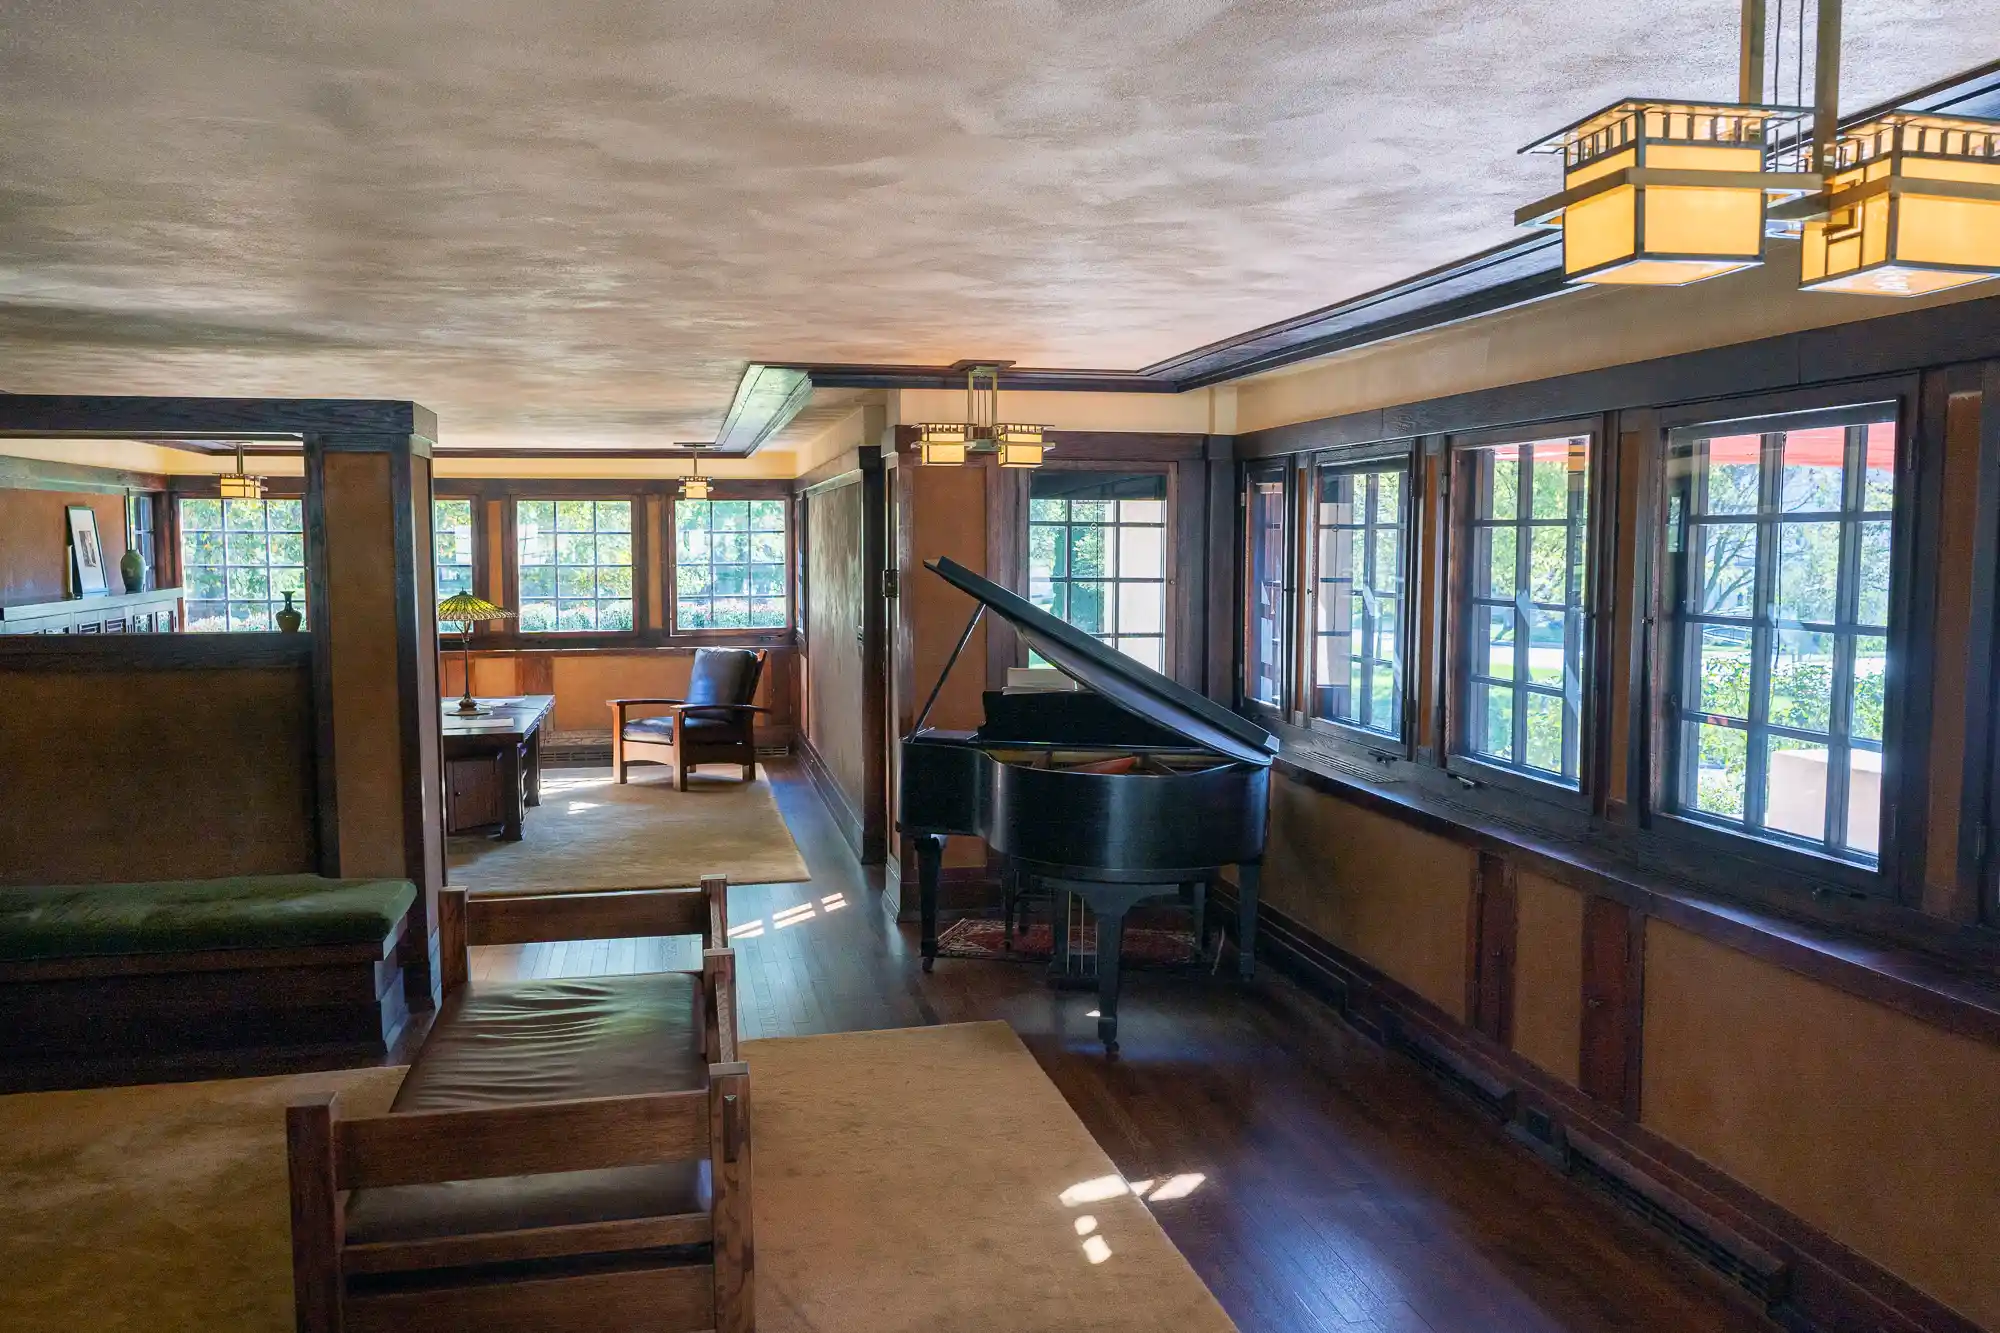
237	485
695	486
982	433
1664	193
1912	207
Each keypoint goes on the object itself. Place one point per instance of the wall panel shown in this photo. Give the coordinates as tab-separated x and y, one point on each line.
34	542
1548	973
109	776
1875	1127
834	573
1395	897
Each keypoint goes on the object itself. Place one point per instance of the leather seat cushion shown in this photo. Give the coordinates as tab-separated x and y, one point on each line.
537	1041
661	729
511	1203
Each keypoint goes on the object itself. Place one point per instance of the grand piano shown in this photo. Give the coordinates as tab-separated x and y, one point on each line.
1118	792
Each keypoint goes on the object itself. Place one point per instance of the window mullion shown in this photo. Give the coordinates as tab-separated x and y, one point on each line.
1847	613
1524	534
1770	479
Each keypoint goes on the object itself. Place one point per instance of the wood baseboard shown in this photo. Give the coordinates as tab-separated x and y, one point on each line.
1803	1278
845	817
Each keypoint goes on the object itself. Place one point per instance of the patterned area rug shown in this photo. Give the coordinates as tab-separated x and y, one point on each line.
1144	947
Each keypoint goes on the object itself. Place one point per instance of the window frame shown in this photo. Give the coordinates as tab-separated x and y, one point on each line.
1907	770
1169	636
1366	458
668	568
1261	471
511	535
1458	760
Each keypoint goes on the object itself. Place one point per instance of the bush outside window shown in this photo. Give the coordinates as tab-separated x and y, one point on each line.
729	565
575	565
238	560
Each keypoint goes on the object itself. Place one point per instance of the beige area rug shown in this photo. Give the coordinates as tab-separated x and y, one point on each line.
925	1178
154	1208
590	832
932	1179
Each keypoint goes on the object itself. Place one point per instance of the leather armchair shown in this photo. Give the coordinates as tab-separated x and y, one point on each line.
714	724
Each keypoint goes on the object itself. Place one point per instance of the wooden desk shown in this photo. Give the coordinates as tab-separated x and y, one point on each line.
493	764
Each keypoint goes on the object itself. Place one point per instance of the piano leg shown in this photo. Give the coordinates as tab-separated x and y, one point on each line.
930	858
1247	876
1110	948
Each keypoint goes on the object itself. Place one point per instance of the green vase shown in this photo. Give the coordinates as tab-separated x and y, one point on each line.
132	568
288	617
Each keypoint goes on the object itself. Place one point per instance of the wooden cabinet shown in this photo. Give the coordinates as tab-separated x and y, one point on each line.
156	612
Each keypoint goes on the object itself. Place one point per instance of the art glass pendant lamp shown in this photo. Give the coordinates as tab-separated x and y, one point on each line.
237	485
1912	206
695	486
982	433
1662	194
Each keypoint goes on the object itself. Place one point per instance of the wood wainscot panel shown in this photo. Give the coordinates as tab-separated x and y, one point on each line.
114	775
1393	895
1548	974
1871	1126
1613	970
1490	965
836	737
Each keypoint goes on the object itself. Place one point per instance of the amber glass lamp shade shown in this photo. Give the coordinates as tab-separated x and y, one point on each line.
943	443
1661	194
1913	207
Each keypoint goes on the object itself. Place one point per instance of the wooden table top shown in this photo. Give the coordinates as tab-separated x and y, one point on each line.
515	716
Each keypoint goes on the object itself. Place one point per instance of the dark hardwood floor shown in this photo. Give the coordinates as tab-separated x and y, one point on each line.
1340	1191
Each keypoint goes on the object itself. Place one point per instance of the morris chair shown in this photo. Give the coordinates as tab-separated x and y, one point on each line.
564	1156
713	725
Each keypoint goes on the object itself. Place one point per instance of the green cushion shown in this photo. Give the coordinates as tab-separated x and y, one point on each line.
249	912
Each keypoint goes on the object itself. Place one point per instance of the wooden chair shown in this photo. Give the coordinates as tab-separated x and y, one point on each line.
563	1156
715	724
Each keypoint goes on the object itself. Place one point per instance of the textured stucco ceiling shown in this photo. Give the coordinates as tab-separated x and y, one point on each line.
571	222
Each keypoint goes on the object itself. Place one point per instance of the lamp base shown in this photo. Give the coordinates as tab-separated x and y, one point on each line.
468	707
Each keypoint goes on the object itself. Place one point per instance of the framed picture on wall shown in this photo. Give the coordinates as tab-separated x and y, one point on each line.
86	552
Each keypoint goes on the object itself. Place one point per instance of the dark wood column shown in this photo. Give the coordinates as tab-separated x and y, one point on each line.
372	603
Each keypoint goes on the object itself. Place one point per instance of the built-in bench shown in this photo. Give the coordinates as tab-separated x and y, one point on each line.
563	1154
257	963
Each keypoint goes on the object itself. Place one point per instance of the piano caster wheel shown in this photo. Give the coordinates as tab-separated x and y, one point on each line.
1107	1032
927	963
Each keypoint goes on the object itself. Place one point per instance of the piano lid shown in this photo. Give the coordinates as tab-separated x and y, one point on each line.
1136	688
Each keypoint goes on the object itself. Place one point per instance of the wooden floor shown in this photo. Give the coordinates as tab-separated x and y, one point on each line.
1339	1190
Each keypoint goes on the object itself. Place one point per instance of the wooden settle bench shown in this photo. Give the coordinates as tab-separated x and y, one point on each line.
564	1156
263	965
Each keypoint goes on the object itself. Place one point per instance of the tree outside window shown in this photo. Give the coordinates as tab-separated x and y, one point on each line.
1779	554
1523	619
238	560
1358	606
729	565
452	552
575	565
